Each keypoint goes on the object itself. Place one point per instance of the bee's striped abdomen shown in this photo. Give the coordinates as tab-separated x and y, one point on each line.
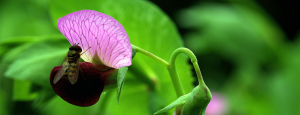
72	69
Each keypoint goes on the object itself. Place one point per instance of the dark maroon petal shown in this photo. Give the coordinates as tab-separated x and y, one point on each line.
86	91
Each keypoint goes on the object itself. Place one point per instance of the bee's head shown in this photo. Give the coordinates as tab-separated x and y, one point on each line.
76	48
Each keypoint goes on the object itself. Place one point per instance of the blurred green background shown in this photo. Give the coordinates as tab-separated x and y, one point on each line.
248	52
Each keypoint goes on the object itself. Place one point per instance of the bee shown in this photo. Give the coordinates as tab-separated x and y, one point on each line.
70	66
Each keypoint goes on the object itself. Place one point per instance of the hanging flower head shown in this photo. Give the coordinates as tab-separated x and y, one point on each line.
105	47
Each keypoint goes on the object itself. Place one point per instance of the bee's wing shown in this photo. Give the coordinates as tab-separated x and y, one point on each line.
73	72
61	71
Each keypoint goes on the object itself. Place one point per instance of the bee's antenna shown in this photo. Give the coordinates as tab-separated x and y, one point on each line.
85	51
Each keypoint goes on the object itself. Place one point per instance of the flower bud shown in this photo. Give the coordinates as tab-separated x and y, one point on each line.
197	102
194	103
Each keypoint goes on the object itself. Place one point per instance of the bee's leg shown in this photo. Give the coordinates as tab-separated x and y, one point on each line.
82	74
66	75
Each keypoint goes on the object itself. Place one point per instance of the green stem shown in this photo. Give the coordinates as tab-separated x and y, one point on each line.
172	71
193	59
165	63
172	68
175	78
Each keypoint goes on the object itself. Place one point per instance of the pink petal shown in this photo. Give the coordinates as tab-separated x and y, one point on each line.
217	105
105	36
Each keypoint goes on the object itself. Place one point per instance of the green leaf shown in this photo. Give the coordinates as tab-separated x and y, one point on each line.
150	29
36	62
58	106
22	91
13	54
180	101
6	92
157	100
17	20
44	96
133	98
5	101
30	39
122	74
121	79
17	45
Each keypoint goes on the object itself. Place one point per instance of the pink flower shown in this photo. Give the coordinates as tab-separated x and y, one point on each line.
105	47
104	38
